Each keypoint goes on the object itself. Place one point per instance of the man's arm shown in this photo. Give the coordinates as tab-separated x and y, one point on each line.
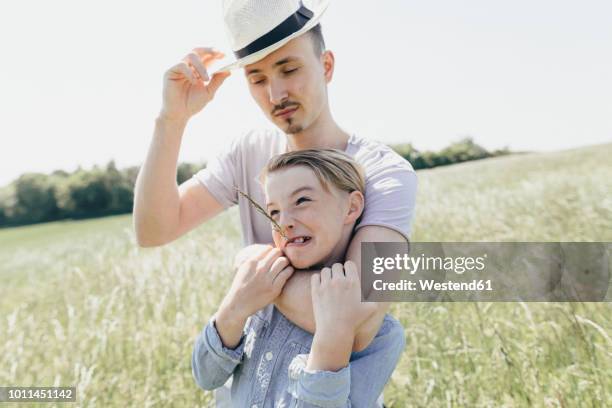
295	301
163	211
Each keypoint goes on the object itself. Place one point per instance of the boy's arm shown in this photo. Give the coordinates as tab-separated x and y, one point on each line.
295	301
212	363
356	385
219	347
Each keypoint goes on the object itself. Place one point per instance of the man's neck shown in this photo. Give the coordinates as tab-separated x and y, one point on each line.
322	134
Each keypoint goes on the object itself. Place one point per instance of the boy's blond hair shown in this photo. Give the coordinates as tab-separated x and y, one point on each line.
330	166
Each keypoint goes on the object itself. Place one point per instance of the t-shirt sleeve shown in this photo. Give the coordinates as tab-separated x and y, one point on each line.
220	175
390	196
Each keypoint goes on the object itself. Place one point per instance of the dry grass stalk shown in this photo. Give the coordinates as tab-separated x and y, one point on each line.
262	211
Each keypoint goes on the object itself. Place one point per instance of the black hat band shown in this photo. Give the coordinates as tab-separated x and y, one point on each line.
290	25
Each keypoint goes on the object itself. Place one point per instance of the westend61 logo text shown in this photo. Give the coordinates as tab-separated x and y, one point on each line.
412	264
485	271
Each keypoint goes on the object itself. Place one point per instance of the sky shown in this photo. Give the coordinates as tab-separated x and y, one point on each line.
81	81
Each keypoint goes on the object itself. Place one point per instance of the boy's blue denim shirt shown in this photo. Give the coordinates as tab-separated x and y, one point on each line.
268	365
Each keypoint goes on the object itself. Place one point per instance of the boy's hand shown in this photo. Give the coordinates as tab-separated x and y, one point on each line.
258	281
248	252
336	300
338	312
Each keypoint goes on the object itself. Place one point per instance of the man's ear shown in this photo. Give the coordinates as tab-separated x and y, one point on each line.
329	62
356	204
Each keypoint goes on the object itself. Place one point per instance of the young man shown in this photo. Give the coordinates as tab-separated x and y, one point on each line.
281	48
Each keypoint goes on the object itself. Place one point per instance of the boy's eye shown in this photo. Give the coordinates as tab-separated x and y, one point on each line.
301	200
273	213
290	71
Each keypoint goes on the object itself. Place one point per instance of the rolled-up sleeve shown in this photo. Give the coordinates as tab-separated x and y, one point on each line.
357	385
328	389
211	362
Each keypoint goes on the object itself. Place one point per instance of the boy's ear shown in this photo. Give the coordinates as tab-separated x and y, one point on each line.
356	204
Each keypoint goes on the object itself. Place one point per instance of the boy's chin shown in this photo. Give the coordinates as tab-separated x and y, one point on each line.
301	263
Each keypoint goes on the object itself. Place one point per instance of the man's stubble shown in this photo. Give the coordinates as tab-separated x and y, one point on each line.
293	128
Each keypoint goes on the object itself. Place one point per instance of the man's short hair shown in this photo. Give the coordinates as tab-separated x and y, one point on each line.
318	43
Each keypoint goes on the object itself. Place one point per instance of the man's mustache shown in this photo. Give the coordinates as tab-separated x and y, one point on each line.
283	106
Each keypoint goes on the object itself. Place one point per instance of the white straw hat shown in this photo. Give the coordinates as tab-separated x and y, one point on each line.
256	28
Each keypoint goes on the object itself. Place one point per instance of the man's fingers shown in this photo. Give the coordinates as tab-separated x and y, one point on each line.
197	77
181	70
216	81
195	61
196	65
209	59
204	51
208	55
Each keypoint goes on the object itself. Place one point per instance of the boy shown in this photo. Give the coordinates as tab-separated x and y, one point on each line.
315	197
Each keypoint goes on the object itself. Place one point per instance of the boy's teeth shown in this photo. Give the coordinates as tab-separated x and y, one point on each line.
299	240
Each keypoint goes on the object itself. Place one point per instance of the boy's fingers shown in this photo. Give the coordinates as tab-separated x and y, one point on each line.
315	279
278	265
282	276
325	275
350	270
337	271
268	258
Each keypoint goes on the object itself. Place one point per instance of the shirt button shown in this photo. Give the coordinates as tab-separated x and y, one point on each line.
269	355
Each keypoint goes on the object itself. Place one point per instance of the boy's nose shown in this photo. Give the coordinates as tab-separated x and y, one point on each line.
286	222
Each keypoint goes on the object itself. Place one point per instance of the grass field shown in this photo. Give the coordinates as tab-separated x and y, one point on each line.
81	304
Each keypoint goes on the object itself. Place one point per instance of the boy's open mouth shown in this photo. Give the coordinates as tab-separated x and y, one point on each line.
298	240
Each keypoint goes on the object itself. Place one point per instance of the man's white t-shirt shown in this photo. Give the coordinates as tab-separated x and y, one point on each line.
390	182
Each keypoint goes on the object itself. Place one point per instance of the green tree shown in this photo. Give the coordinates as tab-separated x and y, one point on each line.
35	199
89	193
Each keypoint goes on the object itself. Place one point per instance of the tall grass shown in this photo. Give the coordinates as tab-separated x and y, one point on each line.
81	304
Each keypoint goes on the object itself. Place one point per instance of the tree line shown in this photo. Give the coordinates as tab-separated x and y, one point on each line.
100	191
